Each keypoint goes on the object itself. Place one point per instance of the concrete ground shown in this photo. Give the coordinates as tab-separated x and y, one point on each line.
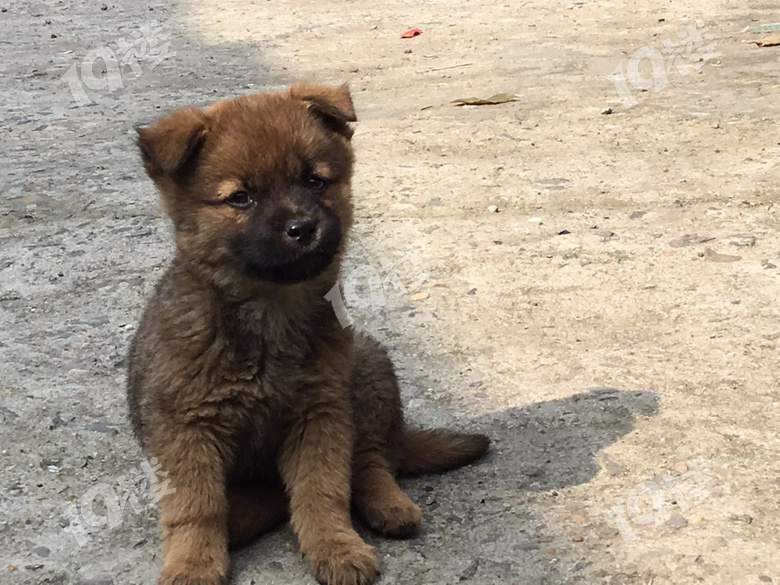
599	291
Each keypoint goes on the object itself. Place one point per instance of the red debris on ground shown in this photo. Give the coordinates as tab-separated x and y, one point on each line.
412	32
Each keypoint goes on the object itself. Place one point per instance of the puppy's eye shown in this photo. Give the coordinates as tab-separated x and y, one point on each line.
239	200
317	182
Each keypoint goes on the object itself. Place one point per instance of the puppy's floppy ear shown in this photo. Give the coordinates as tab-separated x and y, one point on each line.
333	105
171	142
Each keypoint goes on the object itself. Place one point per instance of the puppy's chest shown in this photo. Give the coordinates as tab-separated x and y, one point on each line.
263	373
263	385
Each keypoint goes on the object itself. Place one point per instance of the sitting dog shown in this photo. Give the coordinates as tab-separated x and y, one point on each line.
242	383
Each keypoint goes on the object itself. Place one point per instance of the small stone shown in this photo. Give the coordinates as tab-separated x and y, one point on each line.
666	169
550	550
562	231
579	565
606	235
606	111
612	467
8	412
680	467
10	295
493	208
536	220
41	551
767	264
742	240
577	539
103	7
407	51
676	521
420	296
713	256
746	518
689	240
638	214
100	426
33	567
472	291
51	464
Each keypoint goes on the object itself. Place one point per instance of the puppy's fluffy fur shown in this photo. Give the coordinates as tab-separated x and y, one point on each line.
242	383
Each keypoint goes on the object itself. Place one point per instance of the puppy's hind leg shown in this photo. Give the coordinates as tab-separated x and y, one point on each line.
380	500
378	423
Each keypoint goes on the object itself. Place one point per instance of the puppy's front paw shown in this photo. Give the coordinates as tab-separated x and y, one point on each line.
344	560
190	575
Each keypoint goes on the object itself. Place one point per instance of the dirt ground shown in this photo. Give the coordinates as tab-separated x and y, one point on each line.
621	348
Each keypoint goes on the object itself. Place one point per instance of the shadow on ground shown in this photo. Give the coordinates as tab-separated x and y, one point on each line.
552	445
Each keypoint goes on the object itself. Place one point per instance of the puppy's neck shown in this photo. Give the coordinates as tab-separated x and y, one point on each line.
255	299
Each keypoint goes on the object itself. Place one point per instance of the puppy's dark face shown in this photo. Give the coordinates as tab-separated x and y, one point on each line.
259	186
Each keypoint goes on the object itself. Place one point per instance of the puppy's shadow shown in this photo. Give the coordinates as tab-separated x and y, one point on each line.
483	524
552	445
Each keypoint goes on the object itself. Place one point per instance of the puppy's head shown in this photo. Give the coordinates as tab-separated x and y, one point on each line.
258	187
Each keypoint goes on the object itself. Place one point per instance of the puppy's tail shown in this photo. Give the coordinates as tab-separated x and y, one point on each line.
438	450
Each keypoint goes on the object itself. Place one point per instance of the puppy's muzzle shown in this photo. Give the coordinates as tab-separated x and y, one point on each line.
301	231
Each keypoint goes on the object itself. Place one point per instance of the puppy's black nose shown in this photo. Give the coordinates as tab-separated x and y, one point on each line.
302	230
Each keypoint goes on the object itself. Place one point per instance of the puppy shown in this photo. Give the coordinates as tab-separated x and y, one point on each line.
242	382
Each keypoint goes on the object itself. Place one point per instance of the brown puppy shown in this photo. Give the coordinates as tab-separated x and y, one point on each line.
242	383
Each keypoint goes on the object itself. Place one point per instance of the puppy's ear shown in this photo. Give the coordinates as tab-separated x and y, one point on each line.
333	105
171	142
